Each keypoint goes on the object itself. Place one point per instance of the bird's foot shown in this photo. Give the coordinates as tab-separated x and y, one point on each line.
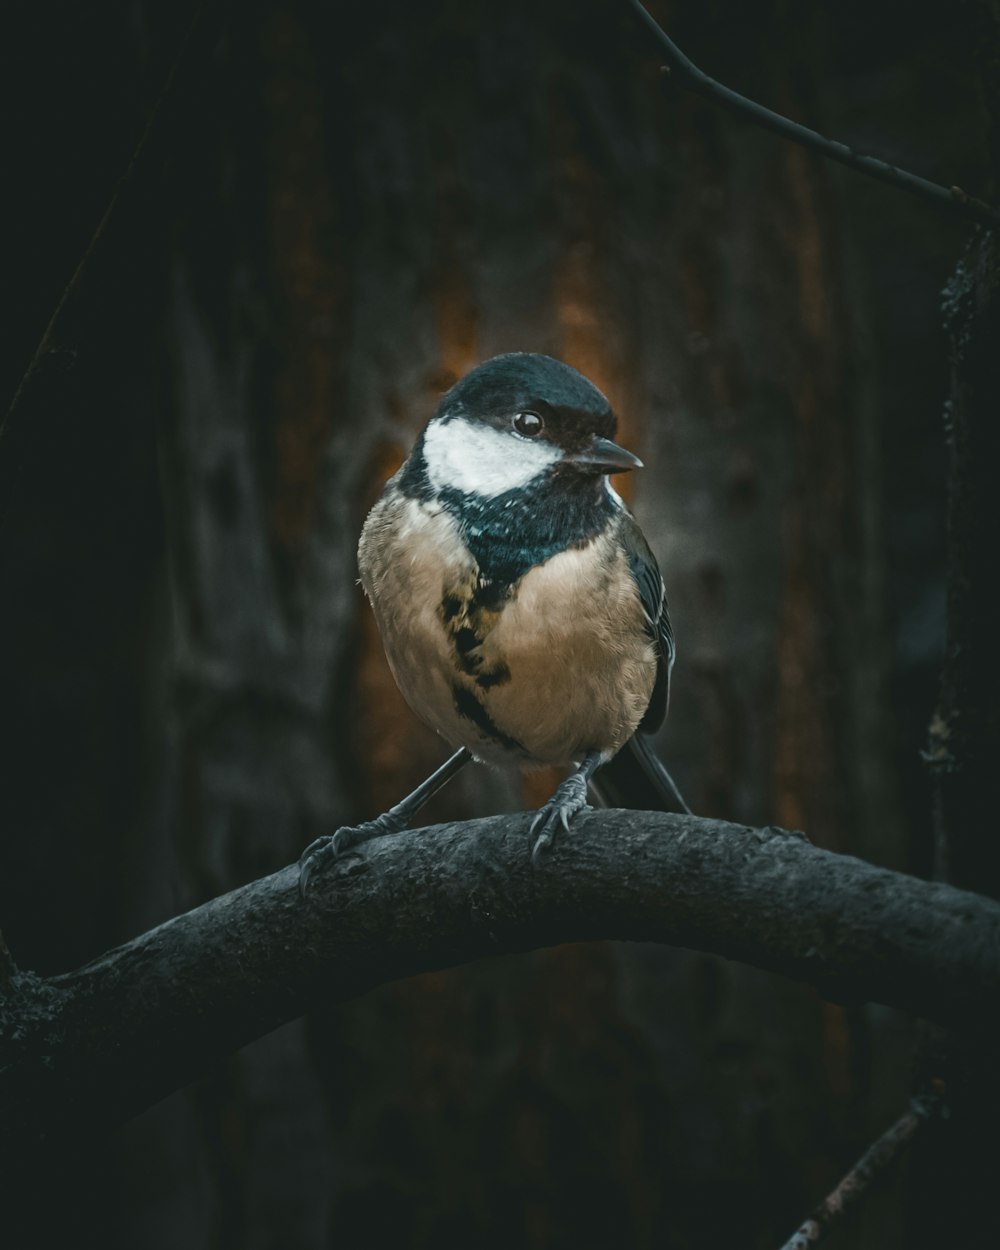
569	799
320	854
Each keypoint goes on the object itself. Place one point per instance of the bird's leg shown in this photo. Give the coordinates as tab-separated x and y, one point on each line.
326	848
569	798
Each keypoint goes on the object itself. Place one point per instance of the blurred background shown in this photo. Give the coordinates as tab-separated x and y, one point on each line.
335	211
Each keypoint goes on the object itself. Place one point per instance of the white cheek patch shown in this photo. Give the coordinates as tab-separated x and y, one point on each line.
478	459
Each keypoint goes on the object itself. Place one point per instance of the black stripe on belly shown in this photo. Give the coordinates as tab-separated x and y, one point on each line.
493	677
466	639
467	705
467	625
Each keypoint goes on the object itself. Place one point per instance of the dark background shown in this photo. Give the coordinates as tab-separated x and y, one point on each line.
337	210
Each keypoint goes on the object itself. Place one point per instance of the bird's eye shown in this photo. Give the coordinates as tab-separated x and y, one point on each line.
529	424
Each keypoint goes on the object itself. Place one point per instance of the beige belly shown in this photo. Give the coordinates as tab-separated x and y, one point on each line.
578	665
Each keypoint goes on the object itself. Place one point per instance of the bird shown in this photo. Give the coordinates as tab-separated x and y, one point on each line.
522	612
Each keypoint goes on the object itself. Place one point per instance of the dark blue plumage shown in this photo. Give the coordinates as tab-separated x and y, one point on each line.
510	533
524	381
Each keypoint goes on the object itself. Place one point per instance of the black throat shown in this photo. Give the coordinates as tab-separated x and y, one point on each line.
509	534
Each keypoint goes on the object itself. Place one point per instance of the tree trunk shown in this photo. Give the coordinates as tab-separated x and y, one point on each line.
952	1196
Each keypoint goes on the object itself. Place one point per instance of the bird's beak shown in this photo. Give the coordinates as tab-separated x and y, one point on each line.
604	456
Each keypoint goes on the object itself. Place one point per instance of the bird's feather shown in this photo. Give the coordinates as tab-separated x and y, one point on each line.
652	593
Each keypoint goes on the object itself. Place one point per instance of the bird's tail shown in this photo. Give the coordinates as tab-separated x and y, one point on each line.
637	778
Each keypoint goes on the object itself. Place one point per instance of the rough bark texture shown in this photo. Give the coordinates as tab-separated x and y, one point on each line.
87	1049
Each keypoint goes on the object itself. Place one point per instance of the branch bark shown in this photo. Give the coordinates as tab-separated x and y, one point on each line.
88	1049
859	1180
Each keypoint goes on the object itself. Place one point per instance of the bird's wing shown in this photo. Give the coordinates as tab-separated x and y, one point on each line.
653	596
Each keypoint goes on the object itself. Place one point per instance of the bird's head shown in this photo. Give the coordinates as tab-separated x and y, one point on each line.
518	419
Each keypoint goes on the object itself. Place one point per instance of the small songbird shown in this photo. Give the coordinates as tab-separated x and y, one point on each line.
522	612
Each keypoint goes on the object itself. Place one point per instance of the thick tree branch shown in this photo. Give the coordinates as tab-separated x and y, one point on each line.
94	1046
688	75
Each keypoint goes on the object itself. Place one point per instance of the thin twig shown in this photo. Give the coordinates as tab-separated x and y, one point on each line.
879	1156
686	74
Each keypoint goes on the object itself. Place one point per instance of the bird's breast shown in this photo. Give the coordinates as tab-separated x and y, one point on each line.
558	664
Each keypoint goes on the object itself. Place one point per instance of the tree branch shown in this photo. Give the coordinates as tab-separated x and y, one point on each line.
857	1182
95	1046
686	74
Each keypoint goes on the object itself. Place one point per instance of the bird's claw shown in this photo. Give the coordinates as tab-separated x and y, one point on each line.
320	854
317	856
568	801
